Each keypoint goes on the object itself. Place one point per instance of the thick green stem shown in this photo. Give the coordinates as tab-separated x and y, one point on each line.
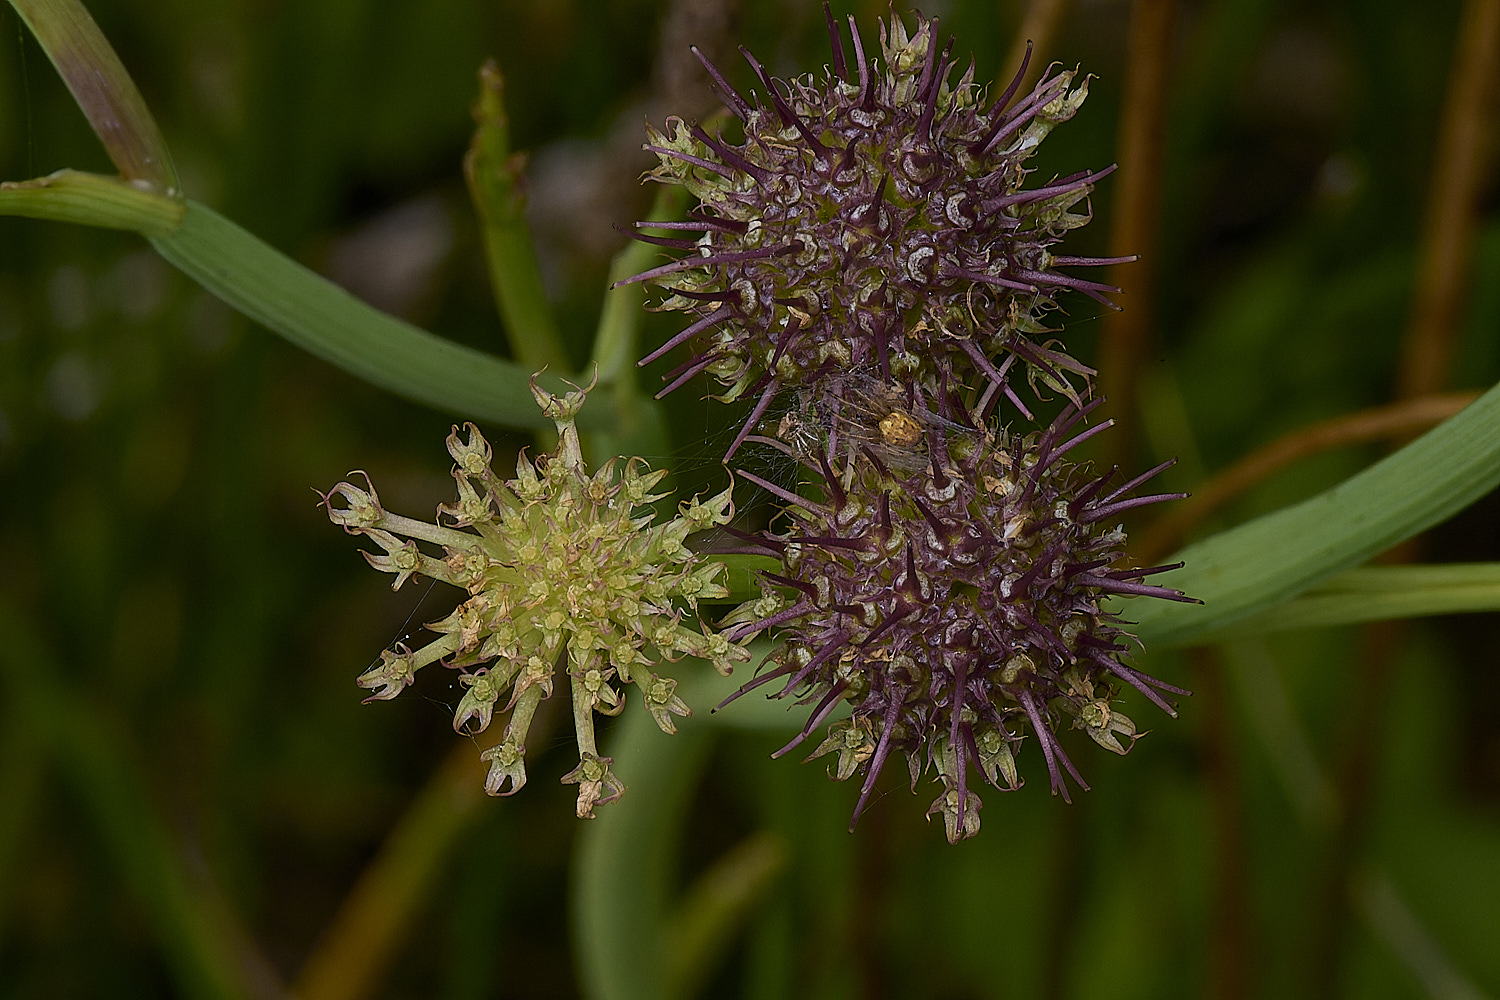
617	340
627	926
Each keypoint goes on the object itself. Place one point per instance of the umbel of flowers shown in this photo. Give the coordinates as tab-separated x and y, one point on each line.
566	572
877	217
957	606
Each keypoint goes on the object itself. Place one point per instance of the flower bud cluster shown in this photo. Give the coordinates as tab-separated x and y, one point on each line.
872	253
565	571
877	218
952	606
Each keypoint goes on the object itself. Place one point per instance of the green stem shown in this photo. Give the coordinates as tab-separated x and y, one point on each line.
617	339
497	186
104	91
521	716
435	533
583	718
624	860
627	927
637	426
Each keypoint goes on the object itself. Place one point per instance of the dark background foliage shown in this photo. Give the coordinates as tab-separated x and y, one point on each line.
1310	826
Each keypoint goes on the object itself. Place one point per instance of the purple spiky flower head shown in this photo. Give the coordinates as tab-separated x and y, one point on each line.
957	607
876	217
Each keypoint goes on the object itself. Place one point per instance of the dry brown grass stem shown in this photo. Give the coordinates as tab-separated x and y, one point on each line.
1137	214
1231	967
1452	201
1039	27
1393	421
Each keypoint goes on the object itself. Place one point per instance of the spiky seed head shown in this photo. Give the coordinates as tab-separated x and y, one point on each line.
876	216
958	608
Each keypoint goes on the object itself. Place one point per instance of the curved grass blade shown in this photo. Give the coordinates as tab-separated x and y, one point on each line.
1265	562
323	319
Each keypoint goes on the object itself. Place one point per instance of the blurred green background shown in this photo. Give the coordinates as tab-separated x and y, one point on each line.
185	766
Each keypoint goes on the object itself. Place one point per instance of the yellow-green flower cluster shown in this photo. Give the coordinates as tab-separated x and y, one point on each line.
565	571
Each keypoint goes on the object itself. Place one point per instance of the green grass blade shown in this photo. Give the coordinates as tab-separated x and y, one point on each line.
1374	593
323	319
1269	560
617	340
639	426
104	91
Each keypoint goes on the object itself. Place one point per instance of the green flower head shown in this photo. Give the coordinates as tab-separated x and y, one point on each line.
566	572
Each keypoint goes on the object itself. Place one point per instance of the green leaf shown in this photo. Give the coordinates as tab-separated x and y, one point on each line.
320	317
1266	562
1374	593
